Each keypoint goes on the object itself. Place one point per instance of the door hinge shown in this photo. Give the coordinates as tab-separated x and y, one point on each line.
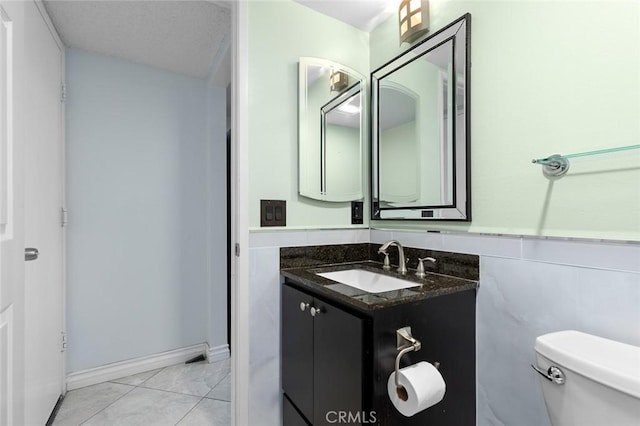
237	250
63	217
63	341
63	92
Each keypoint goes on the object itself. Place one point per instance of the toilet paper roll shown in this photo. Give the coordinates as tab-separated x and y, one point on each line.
424	387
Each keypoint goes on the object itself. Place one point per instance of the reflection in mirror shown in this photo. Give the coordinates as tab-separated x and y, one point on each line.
414	153
399	161
340	144
331	128
420	146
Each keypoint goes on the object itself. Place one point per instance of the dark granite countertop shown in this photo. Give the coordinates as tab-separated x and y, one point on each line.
433	285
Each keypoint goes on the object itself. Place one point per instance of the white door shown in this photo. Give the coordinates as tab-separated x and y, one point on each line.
43	230
11	216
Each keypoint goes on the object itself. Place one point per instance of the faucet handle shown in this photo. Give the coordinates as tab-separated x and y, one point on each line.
386	265
420	269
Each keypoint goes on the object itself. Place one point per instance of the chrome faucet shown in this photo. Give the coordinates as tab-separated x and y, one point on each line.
402	263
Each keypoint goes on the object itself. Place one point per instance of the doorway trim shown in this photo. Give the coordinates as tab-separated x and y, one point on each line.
56	37
240	326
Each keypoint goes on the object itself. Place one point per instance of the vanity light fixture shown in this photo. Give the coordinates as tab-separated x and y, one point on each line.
349	109
413	19
339	80
350	106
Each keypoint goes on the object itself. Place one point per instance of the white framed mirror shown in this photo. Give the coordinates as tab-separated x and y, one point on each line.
332	127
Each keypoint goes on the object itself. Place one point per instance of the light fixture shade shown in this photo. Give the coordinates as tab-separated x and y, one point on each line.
413	19
338	80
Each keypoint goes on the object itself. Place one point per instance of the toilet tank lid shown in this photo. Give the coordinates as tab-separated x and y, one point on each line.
605	361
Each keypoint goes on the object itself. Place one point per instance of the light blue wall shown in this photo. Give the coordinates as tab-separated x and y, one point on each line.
216	112
136	192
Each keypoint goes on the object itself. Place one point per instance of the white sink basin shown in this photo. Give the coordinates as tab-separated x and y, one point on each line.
370	282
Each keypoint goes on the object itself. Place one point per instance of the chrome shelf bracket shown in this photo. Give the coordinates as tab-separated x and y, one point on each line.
557	165
553	166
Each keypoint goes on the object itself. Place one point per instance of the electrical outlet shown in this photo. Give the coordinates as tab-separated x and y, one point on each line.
357	212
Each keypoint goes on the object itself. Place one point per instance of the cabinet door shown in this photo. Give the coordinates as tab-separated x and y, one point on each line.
338	364
297	349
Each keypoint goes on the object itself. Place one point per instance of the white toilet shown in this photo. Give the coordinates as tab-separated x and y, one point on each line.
601	379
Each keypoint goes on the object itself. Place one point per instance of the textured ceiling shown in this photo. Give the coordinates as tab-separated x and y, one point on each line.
179	36
363	14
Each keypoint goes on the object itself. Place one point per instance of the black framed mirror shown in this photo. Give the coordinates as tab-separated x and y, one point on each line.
420	120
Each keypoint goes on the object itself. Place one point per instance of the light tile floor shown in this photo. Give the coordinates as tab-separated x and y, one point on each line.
196	394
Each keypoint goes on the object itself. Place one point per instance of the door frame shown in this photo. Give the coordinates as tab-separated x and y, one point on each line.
230	249
47	20
240	309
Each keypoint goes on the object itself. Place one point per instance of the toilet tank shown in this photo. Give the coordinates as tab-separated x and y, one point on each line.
602	380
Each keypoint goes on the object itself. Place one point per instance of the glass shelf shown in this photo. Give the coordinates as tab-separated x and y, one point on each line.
552	158
557	165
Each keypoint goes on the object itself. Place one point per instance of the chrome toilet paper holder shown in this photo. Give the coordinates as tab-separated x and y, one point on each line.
405	342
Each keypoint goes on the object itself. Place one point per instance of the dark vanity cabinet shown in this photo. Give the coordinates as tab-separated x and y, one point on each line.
323	359
445	325
340	359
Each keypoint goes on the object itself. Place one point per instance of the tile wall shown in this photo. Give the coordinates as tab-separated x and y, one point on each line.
528	287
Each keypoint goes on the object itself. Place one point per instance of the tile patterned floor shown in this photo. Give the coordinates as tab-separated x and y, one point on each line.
195	394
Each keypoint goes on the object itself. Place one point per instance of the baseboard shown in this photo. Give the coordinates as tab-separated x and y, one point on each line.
218	353
104	373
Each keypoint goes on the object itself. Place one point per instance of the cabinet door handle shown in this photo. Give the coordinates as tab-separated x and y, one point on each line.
303	306
316	311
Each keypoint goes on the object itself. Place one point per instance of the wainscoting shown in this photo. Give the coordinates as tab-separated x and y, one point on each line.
528	286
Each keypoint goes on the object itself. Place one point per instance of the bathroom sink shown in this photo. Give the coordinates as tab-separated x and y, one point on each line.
368	281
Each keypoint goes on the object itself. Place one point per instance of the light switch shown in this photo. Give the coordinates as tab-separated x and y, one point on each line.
273	213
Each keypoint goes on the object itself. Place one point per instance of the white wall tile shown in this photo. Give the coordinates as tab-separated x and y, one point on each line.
520	300
592	254
454	242
296	238
482	245
264	276
379	236
430	240
608	304
264	358
337	236
277	239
